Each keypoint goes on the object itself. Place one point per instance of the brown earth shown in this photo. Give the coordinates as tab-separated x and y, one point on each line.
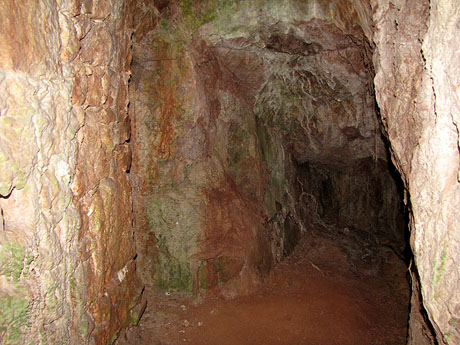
316	296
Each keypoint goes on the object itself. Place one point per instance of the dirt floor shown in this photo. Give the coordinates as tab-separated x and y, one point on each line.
319	295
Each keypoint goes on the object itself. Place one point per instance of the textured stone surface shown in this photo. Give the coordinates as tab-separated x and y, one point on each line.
181	173
416	87
101	186
29	36
244	119
67	273
227	100
38	247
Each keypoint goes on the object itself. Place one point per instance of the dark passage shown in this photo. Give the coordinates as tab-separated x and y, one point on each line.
343	278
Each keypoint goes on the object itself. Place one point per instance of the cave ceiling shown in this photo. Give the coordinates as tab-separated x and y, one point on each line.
306	71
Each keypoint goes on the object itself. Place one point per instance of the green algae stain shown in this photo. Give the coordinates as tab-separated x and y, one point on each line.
172	271
439	269
174	275
14	305
14	316
274	159
11	260
202	275
195	16
239	150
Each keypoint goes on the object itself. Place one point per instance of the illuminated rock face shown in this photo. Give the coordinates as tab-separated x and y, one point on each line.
148	142
67	250
417	91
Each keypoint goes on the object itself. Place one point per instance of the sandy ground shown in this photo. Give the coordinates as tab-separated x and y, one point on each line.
316	296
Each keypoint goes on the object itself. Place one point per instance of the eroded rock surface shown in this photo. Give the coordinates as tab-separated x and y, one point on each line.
416	87
67	274
102	192
241	125
229	99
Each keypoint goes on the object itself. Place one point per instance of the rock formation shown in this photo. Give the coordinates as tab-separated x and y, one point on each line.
416	88
189	145
67	250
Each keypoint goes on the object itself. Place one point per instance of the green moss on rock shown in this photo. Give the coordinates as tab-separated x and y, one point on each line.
167	220
14	302
174	275
14	316
11	260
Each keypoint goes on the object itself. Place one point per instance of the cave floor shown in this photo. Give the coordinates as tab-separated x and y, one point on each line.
316	296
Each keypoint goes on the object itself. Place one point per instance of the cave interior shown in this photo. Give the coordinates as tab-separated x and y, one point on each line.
198	155
280	118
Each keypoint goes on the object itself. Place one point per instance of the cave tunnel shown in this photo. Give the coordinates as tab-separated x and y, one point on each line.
280	142
229	172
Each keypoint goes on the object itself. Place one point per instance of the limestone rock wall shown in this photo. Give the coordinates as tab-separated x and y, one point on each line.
67	274
416	83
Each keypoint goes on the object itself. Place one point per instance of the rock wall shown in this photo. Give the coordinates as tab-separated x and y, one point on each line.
228	99
417	91
191	134
102	192
67	270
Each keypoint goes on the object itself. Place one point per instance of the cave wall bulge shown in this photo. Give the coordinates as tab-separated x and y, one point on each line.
416	82
67	274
